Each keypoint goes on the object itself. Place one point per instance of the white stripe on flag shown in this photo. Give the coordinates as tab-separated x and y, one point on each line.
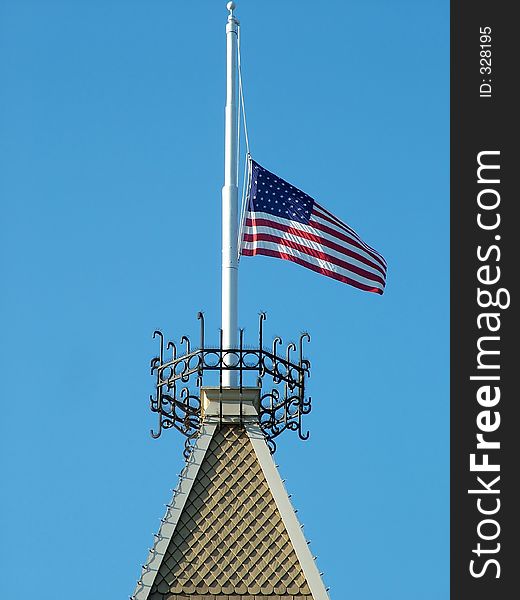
324	266
345	247
263	231
341	228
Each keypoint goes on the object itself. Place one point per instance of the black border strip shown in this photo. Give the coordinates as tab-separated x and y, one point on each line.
484	121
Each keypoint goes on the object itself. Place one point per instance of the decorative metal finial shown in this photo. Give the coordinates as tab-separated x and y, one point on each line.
179	405
231	7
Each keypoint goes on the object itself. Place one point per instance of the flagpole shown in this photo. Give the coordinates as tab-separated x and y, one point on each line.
230	200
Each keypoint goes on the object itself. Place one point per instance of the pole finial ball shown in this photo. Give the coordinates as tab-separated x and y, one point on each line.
231	6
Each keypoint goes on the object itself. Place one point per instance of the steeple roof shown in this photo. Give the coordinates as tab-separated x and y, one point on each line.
230	532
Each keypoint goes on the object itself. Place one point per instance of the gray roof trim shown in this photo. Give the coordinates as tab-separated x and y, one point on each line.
173	512
292	525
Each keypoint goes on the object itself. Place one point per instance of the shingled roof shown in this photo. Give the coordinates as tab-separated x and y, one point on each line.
230	532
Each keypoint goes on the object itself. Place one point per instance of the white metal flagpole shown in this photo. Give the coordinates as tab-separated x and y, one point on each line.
230	200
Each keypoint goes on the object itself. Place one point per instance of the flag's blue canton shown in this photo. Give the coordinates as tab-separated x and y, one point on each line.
271	194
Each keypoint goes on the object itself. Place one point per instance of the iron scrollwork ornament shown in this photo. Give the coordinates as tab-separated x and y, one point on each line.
281	408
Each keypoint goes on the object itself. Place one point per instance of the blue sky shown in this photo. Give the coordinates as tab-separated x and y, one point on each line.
111	153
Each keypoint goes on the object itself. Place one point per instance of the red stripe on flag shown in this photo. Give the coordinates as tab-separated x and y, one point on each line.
345	238
256	222
313	267
323	213
265	237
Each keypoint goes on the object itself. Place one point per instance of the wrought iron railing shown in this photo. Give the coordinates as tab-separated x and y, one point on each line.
281	408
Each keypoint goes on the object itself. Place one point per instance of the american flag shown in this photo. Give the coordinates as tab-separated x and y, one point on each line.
282	221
